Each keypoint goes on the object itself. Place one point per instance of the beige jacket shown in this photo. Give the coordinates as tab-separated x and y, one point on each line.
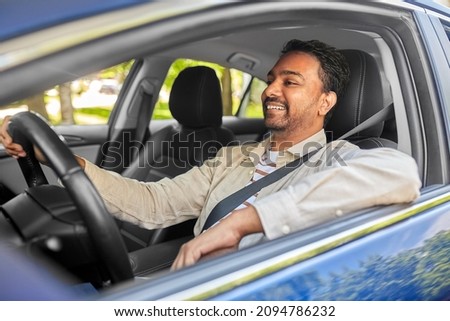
337	180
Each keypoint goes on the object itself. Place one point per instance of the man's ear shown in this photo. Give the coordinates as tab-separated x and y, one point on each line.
328	101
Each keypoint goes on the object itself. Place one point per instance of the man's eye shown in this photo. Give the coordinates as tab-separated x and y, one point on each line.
289	83
268	82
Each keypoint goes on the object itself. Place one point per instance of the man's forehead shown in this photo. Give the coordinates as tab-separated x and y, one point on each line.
285	72
295	63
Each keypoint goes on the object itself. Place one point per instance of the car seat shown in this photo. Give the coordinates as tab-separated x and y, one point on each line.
366	94
196	103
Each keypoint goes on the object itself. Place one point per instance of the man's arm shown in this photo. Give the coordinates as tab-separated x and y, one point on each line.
364	179
150	205
368	178
221	238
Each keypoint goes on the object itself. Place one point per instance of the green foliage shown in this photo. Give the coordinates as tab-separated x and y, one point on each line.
420	273
254	110
85	116
254	107
162	111
118	72
92	115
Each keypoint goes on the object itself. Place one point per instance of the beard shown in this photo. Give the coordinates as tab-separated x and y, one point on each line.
277	124
282	120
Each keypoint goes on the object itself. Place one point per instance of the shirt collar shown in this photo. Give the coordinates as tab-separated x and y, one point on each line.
314	142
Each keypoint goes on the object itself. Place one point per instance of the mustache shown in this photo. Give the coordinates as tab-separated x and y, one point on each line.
274	100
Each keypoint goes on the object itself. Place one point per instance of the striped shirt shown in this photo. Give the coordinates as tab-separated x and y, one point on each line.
265	166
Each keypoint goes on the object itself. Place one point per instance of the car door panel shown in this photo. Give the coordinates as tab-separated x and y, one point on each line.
397	262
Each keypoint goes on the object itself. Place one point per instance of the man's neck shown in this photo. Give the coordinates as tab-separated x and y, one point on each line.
280	141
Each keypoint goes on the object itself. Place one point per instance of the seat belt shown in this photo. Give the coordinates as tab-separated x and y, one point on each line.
384	114
229	203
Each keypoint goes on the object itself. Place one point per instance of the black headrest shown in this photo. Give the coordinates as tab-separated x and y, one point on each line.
362	98
195	99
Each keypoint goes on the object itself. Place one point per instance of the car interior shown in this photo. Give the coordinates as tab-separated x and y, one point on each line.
170	147
368	92
362	100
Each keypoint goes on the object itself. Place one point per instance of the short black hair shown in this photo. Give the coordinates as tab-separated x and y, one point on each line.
334	69
334	73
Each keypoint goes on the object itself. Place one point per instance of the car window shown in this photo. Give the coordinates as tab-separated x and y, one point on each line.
250	105
240	91
87	100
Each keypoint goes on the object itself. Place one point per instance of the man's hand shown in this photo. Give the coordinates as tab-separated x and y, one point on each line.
221	238
16	150
13	149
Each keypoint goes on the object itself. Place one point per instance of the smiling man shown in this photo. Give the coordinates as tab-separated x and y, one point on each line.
302	88
298	95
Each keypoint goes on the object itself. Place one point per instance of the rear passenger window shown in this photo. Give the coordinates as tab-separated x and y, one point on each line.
250	105
240	91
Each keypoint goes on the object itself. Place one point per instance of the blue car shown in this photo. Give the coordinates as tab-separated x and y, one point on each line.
61	243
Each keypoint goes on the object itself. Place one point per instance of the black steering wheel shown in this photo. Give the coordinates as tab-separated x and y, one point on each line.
28	129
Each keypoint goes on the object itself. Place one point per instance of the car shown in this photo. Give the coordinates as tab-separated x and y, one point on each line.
58	240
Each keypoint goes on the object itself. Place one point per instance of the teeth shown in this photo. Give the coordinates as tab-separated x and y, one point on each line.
275	107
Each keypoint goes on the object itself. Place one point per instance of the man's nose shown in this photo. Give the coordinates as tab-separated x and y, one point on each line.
272	90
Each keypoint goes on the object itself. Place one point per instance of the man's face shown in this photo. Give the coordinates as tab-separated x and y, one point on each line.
293	102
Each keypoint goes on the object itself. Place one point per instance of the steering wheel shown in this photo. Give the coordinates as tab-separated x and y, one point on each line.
29	129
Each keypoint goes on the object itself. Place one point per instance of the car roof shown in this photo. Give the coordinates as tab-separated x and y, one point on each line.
21	17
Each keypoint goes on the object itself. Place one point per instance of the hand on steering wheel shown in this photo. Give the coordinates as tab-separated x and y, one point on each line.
31	131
